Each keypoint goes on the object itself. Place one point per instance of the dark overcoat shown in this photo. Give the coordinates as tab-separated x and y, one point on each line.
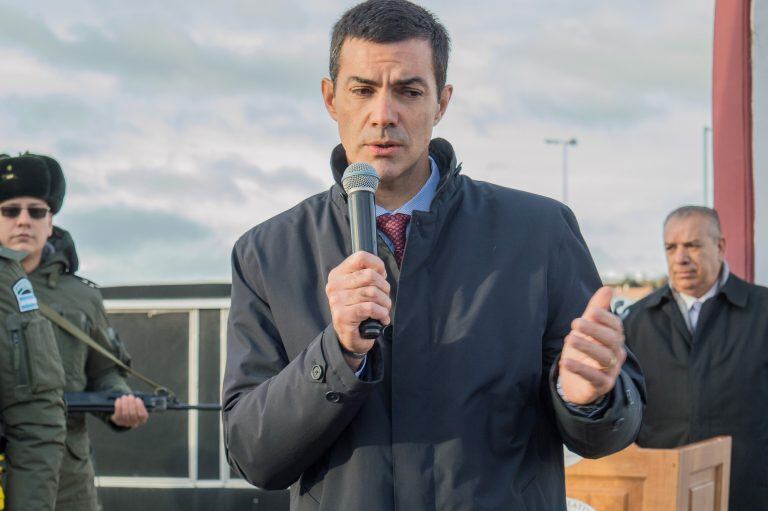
712	382
459	411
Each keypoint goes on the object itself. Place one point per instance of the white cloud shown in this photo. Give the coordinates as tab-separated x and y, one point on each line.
211	115
30	77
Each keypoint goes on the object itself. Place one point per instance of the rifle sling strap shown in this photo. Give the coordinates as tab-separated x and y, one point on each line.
81	336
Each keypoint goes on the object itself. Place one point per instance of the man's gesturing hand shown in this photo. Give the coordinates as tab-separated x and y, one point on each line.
357	289
593	352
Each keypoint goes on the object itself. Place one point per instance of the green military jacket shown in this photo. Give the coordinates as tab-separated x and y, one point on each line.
31	381
80	302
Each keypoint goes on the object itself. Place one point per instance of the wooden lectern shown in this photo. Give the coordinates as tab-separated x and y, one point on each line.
690	478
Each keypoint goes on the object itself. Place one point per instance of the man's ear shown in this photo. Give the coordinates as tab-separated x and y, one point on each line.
326	88
50	225
445	98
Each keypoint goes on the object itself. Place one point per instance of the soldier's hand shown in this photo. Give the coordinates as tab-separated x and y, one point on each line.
593	352
357	289
130	412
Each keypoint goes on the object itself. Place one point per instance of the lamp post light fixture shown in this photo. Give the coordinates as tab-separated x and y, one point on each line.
565	143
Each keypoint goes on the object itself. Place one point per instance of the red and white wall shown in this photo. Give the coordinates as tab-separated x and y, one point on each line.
740	133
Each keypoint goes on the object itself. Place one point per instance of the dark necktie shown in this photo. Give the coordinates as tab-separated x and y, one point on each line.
394	227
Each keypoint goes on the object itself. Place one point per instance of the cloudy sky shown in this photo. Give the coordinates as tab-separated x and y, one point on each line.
181	124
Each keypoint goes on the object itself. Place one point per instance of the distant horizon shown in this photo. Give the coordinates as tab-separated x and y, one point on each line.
229	281
642	281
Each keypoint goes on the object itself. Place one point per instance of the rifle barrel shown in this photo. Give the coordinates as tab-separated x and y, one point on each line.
205	407
104	402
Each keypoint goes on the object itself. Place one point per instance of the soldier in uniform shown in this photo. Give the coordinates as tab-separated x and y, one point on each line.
32	415
51	263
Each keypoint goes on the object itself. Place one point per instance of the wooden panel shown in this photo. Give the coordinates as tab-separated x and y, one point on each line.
693	477
702	465
604	494
702	496
609	502
653	473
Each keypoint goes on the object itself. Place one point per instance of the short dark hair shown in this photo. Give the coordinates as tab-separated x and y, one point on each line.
708	213
392	21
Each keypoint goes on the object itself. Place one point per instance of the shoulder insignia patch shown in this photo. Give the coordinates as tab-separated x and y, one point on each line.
87	282
24	294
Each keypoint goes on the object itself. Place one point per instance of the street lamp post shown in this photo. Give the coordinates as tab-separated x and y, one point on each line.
565	143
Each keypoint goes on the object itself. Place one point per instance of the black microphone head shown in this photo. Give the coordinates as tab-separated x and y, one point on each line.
360	177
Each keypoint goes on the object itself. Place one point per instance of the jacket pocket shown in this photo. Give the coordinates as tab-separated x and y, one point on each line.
311	482
78	446
36	358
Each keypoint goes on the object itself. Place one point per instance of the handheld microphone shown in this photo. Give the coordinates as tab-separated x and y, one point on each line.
360	182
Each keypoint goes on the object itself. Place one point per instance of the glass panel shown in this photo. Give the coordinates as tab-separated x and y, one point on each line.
158	345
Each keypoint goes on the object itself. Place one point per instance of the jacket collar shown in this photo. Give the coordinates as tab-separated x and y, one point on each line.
658	297
59	255
439	149
735	291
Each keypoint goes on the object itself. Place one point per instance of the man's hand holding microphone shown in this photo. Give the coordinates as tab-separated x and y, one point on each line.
357	289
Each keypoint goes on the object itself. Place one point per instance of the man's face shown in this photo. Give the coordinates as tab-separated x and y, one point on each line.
23	232
694	254
385	102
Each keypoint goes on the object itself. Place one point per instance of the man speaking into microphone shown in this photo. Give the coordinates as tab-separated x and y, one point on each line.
497	345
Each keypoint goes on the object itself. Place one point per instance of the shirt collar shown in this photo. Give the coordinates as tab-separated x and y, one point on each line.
422	200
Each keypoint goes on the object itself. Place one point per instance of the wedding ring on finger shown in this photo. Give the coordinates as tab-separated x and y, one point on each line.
611	364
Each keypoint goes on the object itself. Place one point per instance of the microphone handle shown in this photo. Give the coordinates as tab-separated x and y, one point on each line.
362	223
371	329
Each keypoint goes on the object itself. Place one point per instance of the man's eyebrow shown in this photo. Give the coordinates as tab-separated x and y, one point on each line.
364	81
416	80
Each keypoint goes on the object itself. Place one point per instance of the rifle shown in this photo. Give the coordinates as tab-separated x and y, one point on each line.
81	402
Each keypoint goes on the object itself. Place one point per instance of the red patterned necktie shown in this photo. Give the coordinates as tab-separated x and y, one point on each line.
394	227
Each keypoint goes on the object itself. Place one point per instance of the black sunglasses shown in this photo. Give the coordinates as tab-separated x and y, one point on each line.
36	212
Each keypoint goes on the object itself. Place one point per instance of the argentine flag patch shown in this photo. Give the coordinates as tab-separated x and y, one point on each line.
22	290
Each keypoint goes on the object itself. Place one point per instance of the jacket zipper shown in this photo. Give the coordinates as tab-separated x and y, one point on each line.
19	359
